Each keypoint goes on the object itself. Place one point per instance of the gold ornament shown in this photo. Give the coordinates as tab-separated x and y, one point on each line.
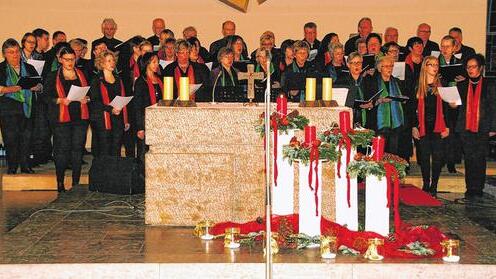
274	247
328	247
372	253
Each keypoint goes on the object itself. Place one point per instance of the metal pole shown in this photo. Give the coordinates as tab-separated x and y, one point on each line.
268	203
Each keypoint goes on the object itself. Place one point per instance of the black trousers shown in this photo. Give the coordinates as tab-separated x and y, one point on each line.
110	141
432	148
142	148
475	147
68	144
405	144
41	140
392	137
129	142
452	141
16	132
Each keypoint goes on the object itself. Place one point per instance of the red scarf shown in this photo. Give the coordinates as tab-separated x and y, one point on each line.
282	66
409	61
134	66
440	125
327	58
191	76
151	89
64	115
473	107
106	101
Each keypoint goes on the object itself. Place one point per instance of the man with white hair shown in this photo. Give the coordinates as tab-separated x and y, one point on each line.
109	27
158	25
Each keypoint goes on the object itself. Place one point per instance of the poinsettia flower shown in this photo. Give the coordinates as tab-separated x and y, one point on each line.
316	143
327	133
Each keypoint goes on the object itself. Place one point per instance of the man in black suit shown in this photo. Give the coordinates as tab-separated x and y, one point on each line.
364	29
109	27
465	51
158	25
424	32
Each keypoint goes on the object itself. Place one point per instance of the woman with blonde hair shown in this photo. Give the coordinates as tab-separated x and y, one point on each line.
430	127
110	122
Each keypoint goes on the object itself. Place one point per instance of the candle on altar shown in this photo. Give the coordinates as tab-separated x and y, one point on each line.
310	134
282	105
168	93
184	89
344	121
378	144
327	89
311	84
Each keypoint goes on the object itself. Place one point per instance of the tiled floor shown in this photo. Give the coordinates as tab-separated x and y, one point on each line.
85	227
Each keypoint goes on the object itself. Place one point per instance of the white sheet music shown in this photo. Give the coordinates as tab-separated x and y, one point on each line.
450	95
435	53
37	64
194	87
164	63
76	93
312	55
119	102
209	65
399	70
339	95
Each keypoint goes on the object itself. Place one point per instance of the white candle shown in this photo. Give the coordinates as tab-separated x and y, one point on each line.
328	255
451	259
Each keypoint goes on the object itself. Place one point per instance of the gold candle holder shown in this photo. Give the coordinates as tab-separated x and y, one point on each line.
310	92
168	89
274	247
184	89
231	238
372	253
450	250
326	89
202	230
328	247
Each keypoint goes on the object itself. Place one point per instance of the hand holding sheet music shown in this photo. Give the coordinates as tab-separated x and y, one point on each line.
119	102
76	93
450	95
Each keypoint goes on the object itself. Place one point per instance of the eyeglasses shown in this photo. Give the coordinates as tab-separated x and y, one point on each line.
432	65
424	31
68	59
387	66
471	67
355	63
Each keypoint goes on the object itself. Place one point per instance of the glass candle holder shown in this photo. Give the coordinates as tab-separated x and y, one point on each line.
451	249
372	253
328	247
202	230
231	238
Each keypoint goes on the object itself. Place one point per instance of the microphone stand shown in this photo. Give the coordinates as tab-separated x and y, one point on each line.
215	84
268	203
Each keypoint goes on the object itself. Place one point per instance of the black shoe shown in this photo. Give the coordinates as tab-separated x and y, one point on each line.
60	187
75	183
27	170
12	171
451	169
433	191
425	188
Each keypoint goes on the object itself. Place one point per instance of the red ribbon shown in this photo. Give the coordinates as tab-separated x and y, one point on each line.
314	156
392	174
347	141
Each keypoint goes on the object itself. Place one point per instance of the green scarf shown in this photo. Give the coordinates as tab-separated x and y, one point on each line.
389	115
24	96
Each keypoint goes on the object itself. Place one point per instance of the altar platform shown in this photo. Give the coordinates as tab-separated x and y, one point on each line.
81	234
207	162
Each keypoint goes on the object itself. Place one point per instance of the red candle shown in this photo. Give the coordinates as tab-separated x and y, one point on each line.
344	121
282	105
378	144
310	134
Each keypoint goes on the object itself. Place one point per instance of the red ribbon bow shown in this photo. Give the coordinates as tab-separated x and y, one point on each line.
314	156
392	174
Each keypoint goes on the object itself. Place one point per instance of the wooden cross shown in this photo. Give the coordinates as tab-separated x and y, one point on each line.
251	76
